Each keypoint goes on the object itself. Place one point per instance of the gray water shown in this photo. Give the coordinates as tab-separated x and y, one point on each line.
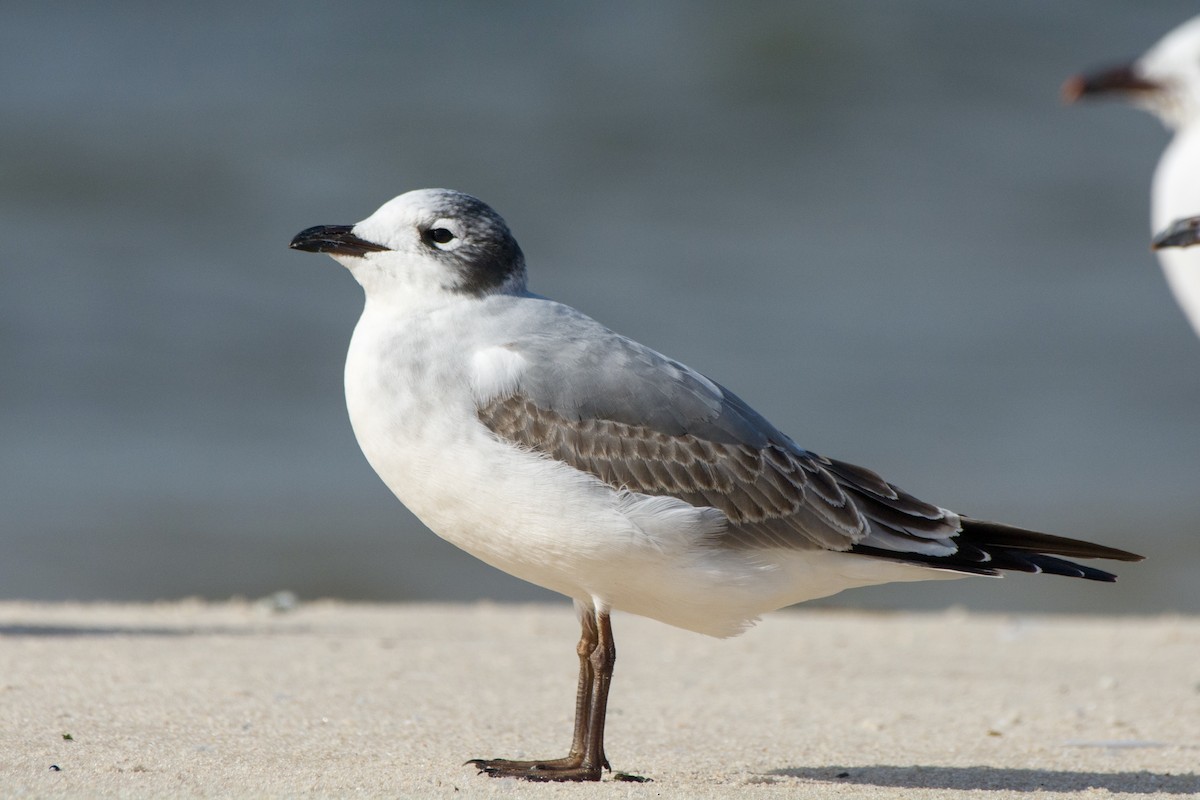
875	221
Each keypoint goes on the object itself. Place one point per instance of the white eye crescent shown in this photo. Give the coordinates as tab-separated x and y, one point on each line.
443	234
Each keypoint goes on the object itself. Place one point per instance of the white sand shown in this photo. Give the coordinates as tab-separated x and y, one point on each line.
336	700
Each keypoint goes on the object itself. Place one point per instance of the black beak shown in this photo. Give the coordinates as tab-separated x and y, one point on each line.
336	240
1121	79
1180	233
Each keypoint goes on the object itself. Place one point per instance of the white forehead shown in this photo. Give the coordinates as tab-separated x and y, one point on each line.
397	219
419	205
1178	51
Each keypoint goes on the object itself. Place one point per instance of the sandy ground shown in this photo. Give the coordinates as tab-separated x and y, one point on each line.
334	700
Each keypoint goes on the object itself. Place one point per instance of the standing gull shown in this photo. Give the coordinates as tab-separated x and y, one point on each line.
1166	82
547	445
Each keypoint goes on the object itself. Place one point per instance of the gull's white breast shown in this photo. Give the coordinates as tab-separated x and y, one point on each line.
409	396
1175	194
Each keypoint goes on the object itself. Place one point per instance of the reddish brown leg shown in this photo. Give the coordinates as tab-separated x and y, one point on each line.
586	759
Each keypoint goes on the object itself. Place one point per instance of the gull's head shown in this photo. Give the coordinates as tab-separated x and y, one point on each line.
425	241
1165	80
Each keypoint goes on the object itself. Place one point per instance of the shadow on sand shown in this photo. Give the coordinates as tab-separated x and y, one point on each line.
999	779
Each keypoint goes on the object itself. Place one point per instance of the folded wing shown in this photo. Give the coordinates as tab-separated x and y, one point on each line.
643	423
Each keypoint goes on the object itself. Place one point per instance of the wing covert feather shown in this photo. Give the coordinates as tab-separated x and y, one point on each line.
777	495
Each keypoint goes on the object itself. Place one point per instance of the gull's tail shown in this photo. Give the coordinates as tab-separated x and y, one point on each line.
990	548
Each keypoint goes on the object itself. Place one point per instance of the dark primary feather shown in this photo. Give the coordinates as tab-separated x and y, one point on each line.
989	548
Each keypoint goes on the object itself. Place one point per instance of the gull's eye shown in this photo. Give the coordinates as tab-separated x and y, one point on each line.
444	234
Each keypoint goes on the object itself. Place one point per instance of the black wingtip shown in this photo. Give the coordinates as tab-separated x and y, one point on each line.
1069	569
995	534
991	548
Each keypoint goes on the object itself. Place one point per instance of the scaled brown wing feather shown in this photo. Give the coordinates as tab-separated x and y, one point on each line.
777	495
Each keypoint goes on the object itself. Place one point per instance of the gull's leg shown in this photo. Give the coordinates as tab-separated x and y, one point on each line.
583	692
576	766
602	659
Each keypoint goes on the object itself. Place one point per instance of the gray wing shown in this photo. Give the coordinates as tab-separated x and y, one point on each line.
639	421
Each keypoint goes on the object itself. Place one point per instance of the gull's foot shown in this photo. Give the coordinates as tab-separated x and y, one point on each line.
558	769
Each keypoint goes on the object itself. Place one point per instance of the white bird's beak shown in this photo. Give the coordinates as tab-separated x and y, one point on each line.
1122	79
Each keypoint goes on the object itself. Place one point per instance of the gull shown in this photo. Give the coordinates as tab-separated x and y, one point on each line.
549	446
1166	82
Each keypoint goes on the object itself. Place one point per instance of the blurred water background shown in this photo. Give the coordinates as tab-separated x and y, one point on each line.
874	220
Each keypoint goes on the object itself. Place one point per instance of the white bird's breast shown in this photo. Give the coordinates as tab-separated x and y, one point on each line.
410	392
1175	194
